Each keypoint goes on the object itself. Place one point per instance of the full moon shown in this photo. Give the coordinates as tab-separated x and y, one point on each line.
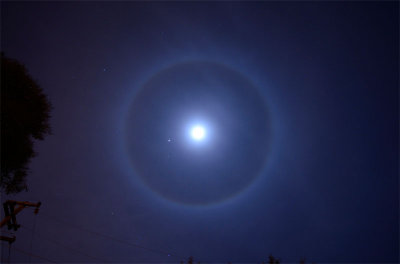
198	133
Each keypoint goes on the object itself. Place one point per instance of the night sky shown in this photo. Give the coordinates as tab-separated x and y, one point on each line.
298	102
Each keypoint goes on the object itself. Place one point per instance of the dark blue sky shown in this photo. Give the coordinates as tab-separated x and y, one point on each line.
310	130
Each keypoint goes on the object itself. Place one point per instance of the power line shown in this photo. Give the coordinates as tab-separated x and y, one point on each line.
34	255
67	247
162	252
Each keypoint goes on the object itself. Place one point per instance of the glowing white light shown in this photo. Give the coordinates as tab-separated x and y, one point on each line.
198	133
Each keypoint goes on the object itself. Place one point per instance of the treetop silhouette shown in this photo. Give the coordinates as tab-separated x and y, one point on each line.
25	113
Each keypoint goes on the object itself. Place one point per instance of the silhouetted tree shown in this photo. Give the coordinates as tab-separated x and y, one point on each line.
272	260
25	113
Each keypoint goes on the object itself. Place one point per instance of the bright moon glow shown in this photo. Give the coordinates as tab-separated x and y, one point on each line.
198	133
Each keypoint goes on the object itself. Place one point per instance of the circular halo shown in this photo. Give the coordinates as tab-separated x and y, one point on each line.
233	107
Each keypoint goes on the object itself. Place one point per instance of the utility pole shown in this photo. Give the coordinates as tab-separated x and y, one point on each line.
10	215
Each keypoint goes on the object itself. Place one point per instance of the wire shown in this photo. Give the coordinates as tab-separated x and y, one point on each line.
67	247
113	238
35	256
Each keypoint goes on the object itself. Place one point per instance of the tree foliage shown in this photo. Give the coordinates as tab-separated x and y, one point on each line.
25	113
